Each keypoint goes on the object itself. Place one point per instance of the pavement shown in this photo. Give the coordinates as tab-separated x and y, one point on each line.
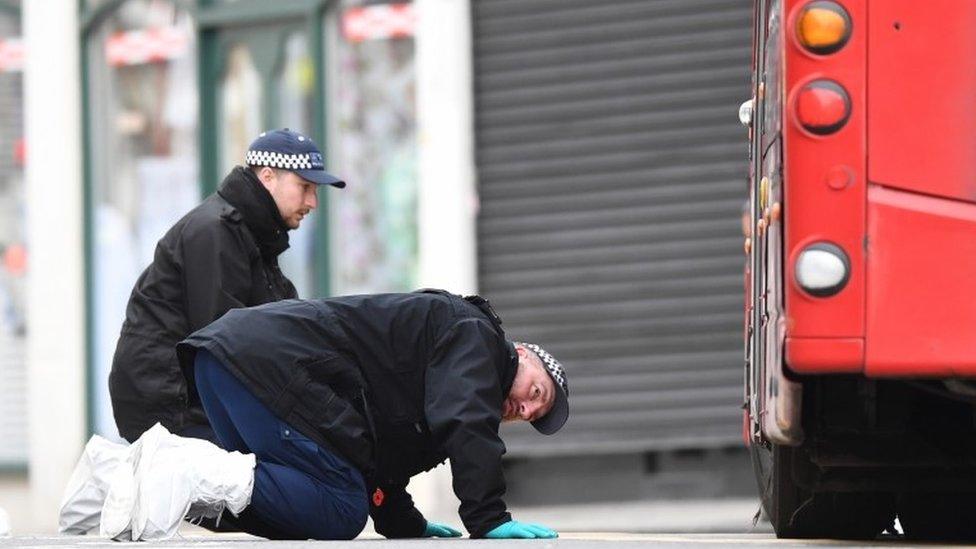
705	523
688	516
576	540
587	525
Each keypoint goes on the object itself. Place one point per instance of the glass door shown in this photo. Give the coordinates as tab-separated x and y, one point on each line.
141	147
261	72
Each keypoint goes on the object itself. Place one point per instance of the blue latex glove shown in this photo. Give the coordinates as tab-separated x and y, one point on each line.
516	529
434	530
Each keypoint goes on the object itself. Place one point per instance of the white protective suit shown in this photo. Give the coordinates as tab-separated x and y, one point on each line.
144	491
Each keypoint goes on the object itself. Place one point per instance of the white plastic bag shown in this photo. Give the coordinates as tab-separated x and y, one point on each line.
176	474
144	491
81	506
4	524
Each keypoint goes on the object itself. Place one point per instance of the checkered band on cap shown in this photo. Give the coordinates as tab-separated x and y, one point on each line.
552	365
284	161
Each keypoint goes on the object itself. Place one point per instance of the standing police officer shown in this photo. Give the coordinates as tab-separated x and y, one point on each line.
222	255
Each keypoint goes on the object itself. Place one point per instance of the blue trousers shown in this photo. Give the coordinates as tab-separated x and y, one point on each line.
301	490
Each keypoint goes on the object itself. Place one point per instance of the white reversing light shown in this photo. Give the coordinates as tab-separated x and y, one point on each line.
822	269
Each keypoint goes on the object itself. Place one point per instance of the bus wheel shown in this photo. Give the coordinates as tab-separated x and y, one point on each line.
798	513
779	495
937	517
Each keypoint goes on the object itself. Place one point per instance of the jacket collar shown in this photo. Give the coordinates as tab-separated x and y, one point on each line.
242	190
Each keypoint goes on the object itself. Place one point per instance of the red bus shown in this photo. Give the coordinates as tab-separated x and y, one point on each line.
860	354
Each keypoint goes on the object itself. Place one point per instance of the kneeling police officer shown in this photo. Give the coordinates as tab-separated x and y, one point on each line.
340	402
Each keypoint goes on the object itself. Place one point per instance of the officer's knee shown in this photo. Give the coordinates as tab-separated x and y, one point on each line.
358	514
349	519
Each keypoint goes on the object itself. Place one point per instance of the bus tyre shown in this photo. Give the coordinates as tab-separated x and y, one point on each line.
778	495
798	513
937	517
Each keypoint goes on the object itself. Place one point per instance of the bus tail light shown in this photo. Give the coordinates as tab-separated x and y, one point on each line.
822	269
823	27
823	107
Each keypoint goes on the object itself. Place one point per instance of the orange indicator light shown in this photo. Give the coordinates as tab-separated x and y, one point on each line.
823	27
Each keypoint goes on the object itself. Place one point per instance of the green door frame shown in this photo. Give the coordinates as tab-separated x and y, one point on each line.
216	18
211	19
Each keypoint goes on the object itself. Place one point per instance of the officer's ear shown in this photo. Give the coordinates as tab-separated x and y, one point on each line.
265	175
522	353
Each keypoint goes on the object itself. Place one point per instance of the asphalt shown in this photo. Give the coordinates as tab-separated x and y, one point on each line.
578	540
575	541
688	516
705	523
590	525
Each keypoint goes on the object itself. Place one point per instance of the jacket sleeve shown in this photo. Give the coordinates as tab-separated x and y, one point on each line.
216	273
395	516
463	407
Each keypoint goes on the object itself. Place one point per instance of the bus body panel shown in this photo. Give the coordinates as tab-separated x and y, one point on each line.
921	298
922	97
810	355
817	208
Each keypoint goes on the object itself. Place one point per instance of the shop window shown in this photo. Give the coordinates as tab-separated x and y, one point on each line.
241	100
374	146
13	248
296	92
143	146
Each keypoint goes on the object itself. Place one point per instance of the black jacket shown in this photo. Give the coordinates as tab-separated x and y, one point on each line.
432	369
222	255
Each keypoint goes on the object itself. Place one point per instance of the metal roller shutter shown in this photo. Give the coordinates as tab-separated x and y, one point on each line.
611	174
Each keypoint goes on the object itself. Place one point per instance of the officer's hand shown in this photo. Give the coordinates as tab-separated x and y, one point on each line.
434	530
516	529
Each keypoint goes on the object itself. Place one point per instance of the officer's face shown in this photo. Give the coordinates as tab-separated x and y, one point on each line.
294	196
533	391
